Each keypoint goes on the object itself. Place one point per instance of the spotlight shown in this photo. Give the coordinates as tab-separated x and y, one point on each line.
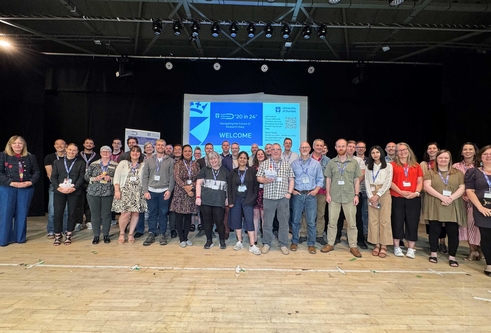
333	2
264	68
233	29
271	1
169	65
307	30
177	28
157	26
322	31
286	31
217	66
268	30
195	29
215	29
311	70
124	67
386	48
251	30
394	3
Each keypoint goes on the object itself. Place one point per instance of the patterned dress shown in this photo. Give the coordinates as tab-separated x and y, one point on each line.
182	203
470	232
132	199
259	202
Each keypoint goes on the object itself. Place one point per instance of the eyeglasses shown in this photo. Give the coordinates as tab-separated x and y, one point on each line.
358	147
275	148
304	147
404	149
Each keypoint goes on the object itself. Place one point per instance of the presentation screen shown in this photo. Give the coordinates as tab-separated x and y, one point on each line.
245	119
143	136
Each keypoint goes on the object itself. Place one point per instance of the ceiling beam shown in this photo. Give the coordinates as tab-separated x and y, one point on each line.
137	32
345	31
309	17
296	10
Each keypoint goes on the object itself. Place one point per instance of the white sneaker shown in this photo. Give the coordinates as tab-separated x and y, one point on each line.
398	252
189	243
114	222
89	225
182	244
254	249
78	227
411	253
238	246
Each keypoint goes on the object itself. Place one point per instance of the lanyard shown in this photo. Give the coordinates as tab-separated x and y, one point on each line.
159	163
215	173
87	161
242	176
276	166
134	168
304	170
66	166
406	170
446	179
105	167
487	179
189	168
374	176
341	170
287	158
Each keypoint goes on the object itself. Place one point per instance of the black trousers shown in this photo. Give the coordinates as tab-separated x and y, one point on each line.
405	218
213	215
59	202
453	236
486	243
82	208
183	224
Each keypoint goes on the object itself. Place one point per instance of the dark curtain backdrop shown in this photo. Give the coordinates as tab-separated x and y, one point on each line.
75	98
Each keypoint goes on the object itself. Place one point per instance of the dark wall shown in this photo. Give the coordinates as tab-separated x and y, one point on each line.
73	98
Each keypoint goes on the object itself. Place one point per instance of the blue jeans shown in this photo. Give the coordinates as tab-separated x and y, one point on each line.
14	207
50	227
309	203
157	212
140	226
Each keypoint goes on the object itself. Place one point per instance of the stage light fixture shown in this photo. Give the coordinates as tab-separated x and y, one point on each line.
268	30
195	29
307	30
311	70
394	3
217	66
264	68
233	29
215	29
285	31
251	30
386	48
333	2
176	27
157	26
322	31
169	65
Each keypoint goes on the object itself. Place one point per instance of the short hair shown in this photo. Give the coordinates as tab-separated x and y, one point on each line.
89	139
208	144
131	138
450	169
117	139
178	145
73	144
217	155
161	140
138	149
352	142
197	148
8	147
148	143
318	140
287	139
235	143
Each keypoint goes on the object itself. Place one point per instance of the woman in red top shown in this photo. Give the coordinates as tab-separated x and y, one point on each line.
405	190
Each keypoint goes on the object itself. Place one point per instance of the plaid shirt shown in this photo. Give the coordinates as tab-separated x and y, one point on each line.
277	189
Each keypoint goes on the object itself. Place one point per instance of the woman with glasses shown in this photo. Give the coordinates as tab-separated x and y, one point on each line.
407	183
478	190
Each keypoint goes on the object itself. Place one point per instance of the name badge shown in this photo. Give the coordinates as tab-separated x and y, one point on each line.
189	182
214	187
103	181
67	181
279	179
156	178
305	180
133	178
487	194
447	193
242	188
270	174
406	184
340	182
261	185
372	188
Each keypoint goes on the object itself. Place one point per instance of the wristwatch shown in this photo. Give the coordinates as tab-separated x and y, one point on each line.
419	194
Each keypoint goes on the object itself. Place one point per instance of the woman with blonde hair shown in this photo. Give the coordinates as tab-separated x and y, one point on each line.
407	183
19	171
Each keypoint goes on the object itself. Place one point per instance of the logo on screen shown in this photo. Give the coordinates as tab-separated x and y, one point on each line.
277	109
199	122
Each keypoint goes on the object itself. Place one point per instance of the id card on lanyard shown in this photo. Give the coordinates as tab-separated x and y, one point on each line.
487	194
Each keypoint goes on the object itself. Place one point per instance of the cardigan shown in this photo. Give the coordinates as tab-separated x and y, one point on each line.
9	169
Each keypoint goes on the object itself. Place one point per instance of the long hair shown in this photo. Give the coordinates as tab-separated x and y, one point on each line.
481	151
370	160
255	161
8	146
411	159
187	146
138	149
426	157
451	170
246	155
476	149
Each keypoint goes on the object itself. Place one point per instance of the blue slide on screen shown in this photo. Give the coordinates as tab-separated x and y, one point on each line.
245	119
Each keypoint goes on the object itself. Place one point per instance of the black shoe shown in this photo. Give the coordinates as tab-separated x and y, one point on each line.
442	248
208	245
362	245
223	246
302	240
213	235
107	239
401	243
95	240
150	239
337	241
200	233
173	234
321	240
138	235
192	227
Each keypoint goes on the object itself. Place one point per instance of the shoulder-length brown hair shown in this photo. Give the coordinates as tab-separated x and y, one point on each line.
8	146
411	159
451	170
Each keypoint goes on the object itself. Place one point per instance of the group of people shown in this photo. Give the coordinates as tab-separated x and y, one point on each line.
382	195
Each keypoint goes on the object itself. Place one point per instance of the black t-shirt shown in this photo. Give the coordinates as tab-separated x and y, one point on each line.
214	188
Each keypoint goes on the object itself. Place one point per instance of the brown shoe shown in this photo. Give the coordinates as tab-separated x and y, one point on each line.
293	247
327	248
354	251
312	250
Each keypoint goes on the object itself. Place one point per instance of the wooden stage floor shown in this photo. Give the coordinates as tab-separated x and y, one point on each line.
132	288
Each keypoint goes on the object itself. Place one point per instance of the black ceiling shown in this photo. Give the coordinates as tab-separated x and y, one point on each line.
356	30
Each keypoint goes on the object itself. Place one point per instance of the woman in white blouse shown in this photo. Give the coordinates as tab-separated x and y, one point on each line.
378	179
